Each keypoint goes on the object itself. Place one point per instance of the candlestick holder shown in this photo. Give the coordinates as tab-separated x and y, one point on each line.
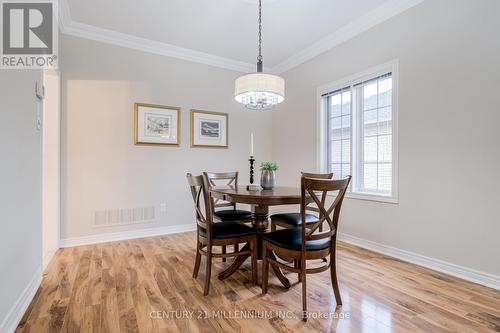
251	169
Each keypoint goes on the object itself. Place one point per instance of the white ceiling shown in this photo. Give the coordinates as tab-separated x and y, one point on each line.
228	28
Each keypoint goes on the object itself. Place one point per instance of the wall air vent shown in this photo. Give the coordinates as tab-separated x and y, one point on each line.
115	217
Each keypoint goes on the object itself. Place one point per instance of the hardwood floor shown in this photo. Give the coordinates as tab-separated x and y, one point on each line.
131	286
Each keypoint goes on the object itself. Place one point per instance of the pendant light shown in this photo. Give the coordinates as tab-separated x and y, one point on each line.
259	91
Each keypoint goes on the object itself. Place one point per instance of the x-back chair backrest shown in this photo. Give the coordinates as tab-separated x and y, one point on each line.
312	187
202	202
231	179
311	206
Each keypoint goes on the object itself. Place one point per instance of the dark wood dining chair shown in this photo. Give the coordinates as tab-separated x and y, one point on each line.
231	214
211	234
308	243
294	219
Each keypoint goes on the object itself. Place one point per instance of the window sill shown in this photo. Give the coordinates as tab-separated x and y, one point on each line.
372	197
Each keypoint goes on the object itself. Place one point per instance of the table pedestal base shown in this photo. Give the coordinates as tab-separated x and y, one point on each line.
260	222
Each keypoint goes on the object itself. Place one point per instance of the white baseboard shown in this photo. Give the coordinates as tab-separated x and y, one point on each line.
469	274
10	322
123	235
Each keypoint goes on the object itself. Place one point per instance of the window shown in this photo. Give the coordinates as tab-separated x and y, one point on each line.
358	132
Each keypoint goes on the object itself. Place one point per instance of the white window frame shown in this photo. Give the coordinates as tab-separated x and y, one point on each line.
321	130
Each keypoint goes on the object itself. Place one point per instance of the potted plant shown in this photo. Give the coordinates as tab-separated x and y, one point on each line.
268	175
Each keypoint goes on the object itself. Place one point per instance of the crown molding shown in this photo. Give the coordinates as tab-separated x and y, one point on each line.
380	14
146	45
362	24
70	27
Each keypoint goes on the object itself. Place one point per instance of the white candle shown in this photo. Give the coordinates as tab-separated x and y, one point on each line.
251	144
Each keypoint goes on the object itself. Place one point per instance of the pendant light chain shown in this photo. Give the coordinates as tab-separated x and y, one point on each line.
259	58
259	91
260	31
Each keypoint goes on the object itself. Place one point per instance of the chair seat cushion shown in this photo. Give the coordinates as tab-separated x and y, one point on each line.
291	239
294	219
229	229
233	214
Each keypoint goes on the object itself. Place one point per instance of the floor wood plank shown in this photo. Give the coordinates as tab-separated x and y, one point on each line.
145	285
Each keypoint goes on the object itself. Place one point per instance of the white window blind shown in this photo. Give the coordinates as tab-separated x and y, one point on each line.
375	123
360	133
339	129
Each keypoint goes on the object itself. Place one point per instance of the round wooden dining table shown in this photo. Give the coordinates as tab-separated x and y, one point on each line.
260	201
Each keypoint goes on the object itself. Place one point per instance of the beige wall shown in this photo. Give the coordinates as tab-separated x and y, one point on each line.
51	165
20	193
448	154
449	158
101	167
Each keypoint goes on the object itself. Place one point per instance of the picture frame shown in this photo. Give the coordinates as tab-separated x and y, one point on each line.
209	129
156	125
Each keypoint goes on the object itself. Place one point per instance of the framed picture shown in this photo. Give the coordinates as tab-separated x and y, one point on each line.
209	129
156	124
